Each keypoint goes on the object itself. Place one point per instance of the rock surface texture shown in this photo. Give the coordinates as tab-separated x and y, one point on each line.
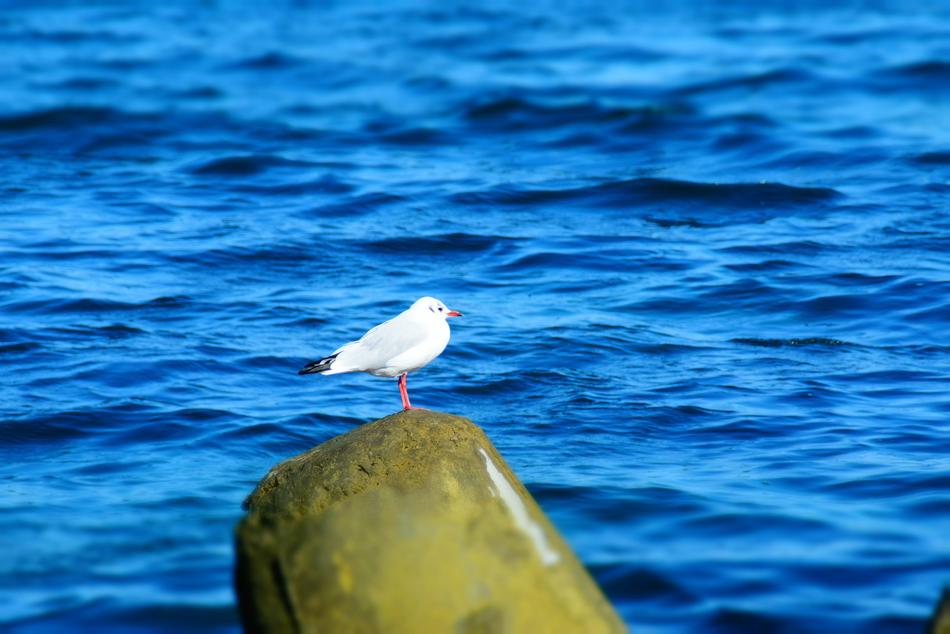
410	524
940	621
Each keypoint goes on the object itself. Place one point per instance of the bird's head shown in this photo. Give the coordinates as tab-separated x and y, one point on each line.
435	306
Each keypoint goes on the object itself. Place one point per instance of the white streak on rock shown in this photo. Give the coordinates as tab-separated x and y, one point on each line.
510	497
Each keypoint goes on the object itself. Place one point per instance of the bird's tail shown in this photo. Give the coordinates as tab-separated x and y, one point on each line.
316	367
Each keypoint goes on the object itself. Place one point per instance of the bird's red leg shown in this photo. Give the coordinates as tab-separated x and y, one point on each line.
403	392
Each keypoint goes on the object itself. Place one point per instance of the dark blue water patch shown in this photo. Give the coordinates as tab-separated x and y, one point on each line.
925	76
85	84
43	430
849	279
263	362
666	349
448	244
741	294
145	212
321	421
893	624
508	113
92	305
936	503
801	248
324	185
52	428
78	129
778	78
284	437
852	132
932	158
749	429
277	254
915	286
159	429
907	433
743	142
360	204
110	616
111	331
614	503
548	261
746	290
203	415
851	35
259	430
512	383
575	139
19	348
396	131
824	160
70	36
198	93
113	426
65	252
112	467
425	137
657	120
643	192
674	419
243	166
269	61
58	118
764	265
831	574
728	620
797	342
634	583
724	524
17	335
874	378
881	485
939	314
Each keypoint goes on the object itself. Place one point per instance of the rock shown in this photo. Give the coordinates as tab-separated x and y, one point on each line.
940	621
410	524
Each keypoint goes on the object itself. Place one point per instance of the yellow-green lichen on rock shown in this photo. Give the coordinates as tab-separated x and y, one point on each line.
410	524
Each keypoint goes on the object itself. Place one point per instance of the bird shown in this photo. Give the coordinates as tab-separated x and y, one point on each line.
407	342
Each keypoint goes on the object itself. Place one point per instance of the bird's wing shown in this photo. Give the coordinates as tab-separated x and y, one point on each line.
382	343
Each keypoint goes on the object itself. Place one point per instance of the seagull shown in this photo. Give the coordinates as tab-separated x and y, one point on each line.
404	344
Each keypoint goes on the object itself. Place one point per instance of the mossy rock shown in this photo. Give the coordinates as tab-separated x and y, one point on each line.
940	621
410	524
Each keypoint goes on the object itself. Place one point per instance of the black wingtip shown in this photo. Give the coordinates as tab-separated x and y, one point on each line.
316	367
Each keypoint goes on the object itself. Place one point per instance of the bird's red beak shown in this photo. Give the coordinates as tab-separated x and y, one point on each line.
453	313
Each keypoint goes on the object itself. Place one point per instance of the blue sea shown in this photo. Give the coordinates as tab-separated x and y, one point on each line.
703	253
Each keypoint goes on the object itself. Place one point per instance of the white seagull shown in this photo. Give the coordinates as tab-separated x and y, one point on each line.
403	344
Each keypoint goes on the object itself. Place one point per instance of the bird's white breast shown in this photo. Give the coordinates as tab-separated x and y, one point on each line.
422	353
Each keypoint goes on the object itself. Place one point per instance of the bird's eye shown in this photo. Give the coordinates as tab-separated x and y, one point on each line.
440	309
